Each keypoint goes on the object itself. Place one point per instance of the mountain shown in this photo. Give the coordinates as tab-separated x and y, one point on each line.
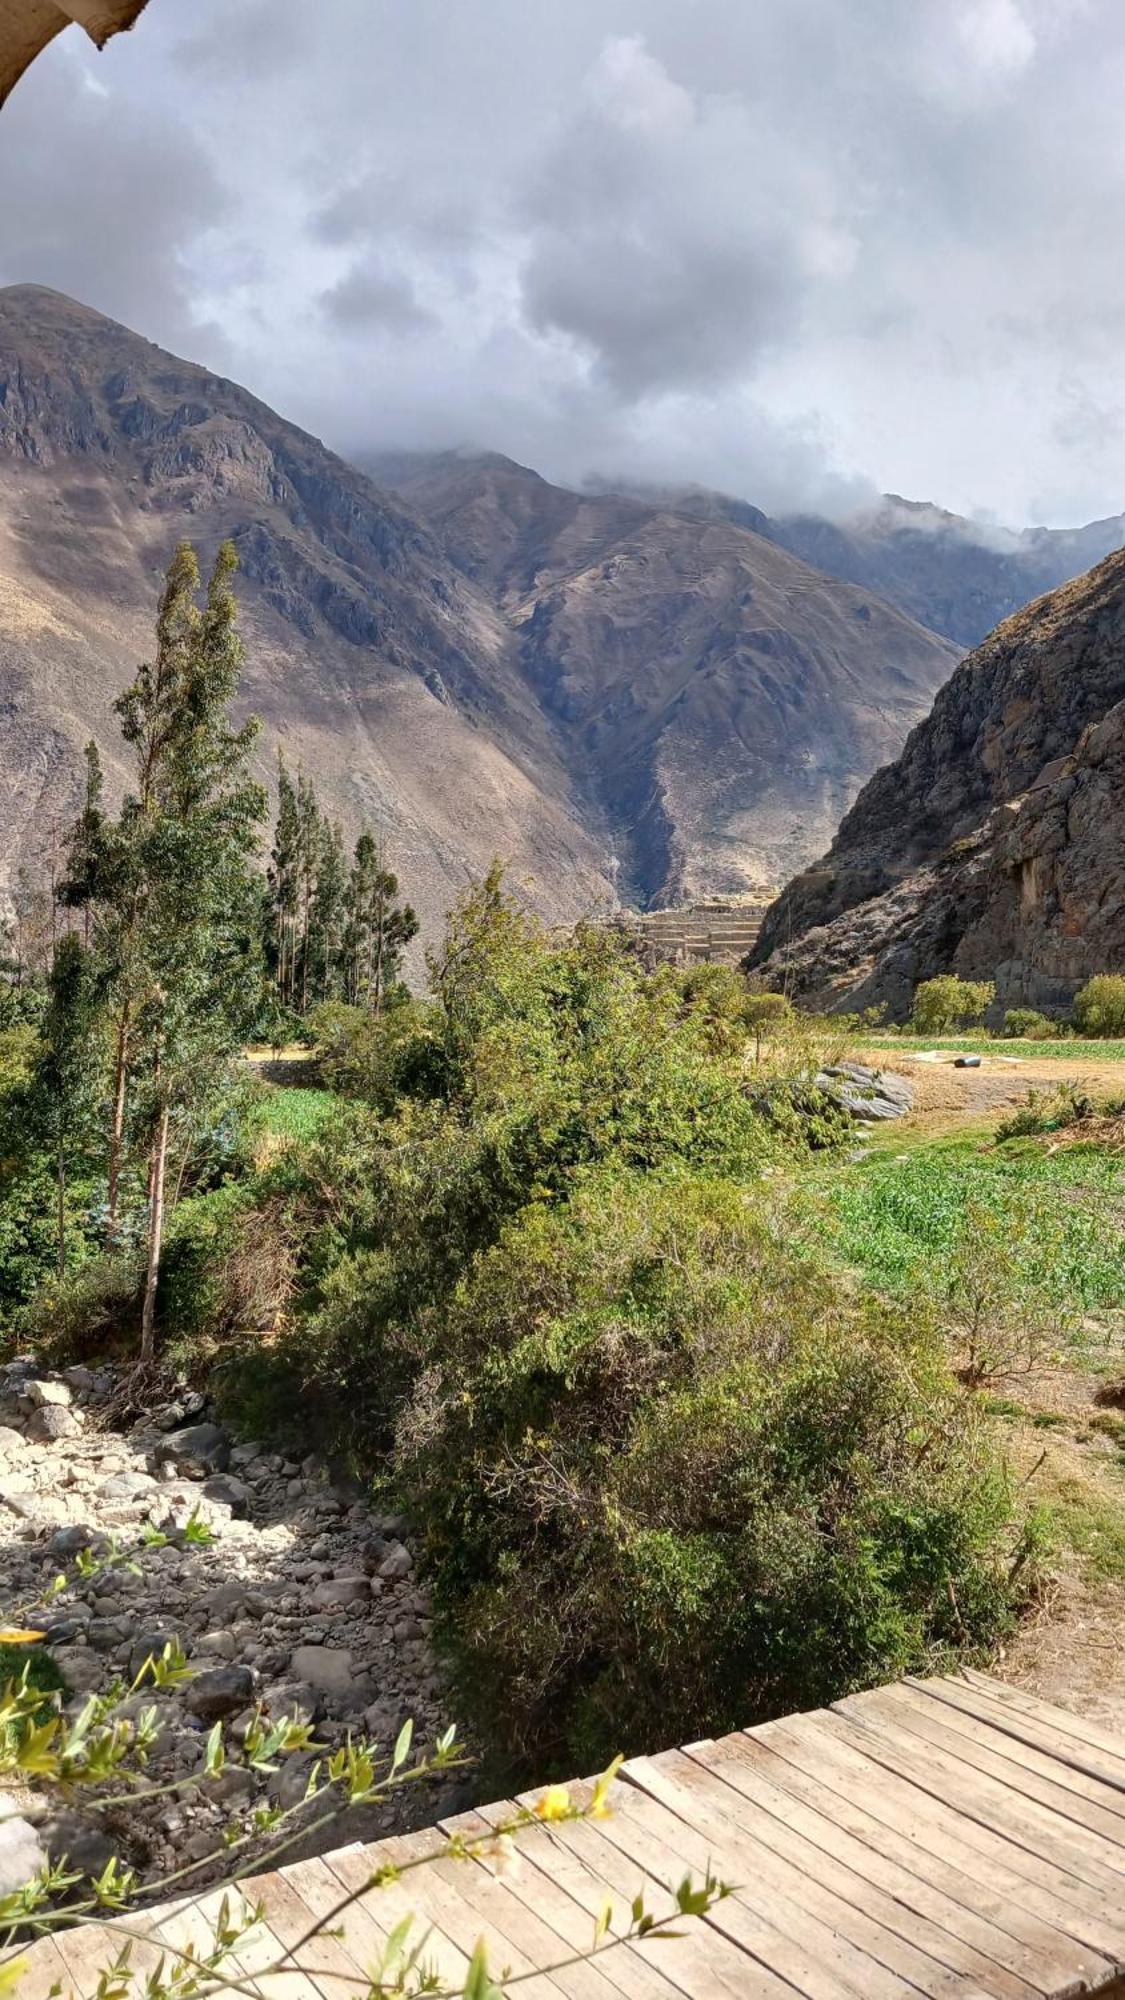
954	576
610	695
722	700
994	846
370	656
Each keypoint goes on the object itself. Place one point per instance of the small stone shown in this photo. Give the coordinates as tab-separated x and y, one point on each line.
22	1852
52	1421
398	1563
229	1492
220	1692
81	1842
149	1645
328	1668
223	1643
337	1591
43	1392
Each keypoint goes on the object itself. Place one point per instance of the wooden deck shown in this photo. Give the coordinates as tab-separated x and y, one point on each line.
936	1837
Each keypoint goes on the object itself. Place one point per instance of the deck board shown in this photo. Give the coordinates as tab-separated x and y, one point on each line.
950	1838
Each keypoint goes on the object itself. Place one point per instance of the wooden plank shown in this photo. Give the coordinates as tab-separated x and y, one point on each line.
897	1790
963	1715
326	1959
45	1966
433	1895
1084	1728
549	1878
1100	1835
812	1913
1061	1743
953	1930
384	1907
838	1792
509	1916
701	1963
927	1952
321	1890
974	1797
795	1944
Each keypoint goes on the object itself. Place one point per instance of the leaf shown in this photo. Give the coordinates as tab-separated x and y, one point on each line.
19	1635
396	1942
402	1746
605	1918
479	1984
11	1972
215	1755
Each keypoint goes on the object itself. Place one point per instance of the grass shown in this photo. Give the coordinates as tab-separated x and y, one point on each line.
1073	1049
295	1113
895	1217
1091	1524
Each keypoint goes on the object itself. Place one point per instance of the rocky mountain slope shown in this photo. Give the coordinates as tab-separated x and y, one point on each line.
607	695
723	699
994	846
371	657
952	575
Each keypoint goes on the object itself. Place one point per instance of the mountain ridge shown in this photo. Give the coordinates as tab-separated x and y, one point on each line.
614	697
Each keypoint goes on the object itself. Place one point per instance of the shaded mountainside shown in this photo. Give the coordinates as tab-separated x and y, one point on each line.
371	657
952	575
723	700
995	844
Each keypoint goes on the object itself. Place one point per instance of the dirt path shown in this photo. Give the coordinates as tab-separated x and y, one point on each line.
941	1088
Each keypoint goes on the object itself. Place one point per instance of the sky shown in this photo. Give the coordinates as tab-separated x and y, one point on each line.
800	250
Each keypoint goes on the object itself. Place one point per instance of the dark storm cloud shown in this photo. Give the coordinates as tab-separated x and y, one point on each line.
790	249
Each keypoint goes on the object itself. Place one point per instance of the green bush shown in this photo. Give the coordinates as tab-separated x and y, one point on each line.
1099	1008
674	1479
1025	1024
94	1308
948	1002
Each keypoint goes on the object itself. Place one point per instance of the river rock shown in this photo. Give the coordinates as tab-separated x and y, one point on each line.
220	1692
195	1452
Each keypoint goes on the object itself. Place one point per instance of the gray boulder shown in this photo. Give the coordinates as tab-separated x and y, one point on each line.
22	1853
228	1491
51	1421
221	1692
868	1093
195	1452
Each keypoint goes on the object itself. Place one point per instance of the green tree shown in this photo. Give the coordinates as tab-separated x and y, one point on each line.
169	888
65	1087
283	884
379	928
947	1002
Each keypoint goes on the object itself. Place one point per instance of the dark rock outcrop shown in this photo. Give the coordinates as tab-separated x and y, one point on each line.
995	846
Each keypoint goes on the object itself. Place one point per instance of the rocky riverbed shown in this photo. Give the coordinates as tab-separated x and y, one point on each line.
303	1599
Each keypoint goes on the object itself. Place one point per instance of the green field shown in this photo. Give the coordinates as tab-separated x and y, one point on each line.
896	1216
296	1113
1071	1050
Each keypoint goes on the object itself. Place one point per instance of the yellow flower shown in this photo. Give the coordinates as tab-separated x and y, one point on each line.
554	1804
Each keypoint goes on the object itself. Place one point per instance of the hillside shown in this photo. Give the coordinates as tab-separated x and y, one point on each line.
995	844
725	700
954	576
370	657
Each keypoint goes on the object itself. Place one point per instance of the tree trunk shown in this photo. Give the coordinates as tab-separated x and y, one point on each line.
155	1233
61	1175
117	1125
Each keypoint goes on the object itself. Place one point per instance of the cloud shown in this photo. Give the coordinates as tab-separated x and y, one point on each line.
798	250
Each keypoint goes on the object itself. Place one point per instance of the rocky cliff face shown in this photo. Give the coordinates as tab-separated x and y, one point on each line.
995	845
723	700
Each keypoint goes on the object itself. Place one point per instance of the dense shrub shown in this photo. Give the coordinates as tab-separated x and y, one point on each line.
1025	1024
674	1479
1099	1008
947	1002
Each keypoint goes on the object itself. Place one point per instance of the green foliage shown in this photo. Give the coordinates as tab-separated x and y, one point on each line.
92	1310
35	1669
673	1478
1046	1111
1099	1008
899	1220
948	1002
1024	1023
